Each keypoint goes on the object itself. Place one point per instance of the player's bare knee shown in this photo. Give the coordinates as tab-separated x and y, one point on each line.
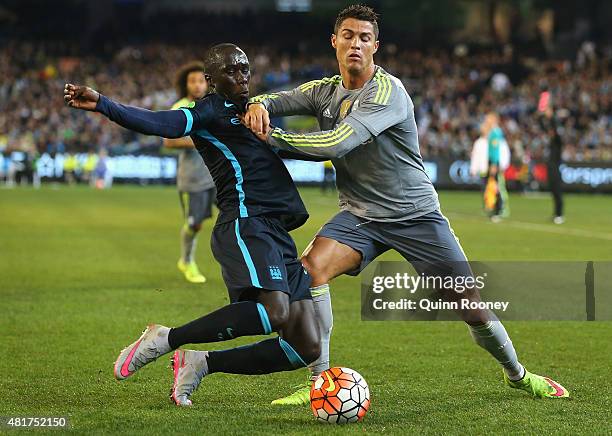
477	317
313	353
309	349
195	228
278	314
317	270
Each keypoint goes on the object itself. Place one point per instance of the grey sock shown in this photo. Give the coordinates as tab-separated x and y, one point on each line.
161	341
323	310
492	336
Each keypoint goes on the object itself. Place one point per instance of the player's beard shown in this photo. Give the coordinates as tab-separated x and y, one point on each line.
356	69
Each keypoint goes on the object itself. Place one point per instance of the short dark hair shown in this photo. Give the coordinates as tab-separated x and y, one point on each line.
183	73
359	12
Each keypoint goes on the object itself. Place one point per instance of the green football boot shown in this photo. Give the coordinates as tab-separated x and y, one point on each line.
300	397
538	386
191	272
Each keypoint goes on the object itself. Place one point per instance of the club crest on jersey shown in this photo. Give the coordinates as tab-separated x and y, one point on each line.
275	273
345	108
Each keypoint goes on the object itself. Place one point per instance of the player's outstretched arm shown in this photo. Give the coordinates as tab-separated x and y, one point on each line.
286	154
326	144
168	124
299	101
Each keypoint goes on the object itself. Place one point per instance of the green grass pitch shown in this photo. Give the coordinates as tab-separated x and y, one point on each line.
82	272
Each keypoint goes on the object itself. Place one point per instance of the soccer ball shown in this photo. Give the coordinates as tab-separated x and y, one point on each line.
339	396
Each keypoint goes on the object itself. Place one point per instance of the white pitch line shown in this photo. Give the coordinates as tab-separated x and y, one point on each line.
557	230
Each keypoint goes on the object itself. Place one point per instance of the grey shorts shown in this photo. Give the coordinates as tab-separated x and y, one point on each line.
197	206
427	241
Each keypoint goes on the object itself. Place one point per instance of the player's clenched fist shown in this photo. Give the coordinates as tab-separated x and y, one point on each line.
257	119
80	97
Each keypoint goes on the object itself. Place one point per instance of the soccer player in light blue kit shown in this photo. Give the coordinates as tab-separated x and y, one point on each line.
387	200
497	204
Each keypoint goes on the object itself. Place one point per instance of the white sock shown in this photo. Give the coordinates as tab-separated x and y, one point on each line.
492	336
188	243
325	318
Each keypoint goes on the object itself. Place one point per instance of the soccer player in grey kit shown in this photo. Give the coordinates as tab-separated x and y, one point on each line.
193	180
388	202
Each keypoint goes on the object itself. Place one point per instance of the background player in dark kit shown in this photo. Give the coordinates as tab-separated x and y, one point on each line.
552	124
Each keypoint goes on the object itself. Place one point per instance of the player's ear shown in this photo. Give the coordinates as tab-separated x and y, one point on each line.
333	40
376	44
209	80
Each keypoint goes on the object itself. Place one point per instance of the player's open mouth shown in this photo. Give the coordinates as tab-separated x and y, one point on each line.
354	56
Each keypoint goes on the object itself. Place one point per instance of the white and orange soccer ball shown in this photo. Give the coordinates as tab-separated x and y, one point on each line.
339	396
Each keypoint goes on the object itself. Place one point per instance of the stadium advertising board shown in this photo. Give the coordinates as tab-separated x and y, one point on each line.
576	176
444	173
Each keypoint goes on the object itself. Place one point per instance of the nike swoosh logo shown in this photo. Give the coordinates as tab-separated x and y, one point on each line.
228	105
559	390
125	372
331	383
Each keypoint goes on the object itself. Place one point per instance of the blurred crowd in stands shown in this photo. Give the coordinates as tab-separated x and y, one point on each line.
451	91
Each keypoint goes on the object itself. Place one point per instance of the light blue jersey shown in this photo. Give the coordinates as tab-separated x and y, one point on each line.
496	139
